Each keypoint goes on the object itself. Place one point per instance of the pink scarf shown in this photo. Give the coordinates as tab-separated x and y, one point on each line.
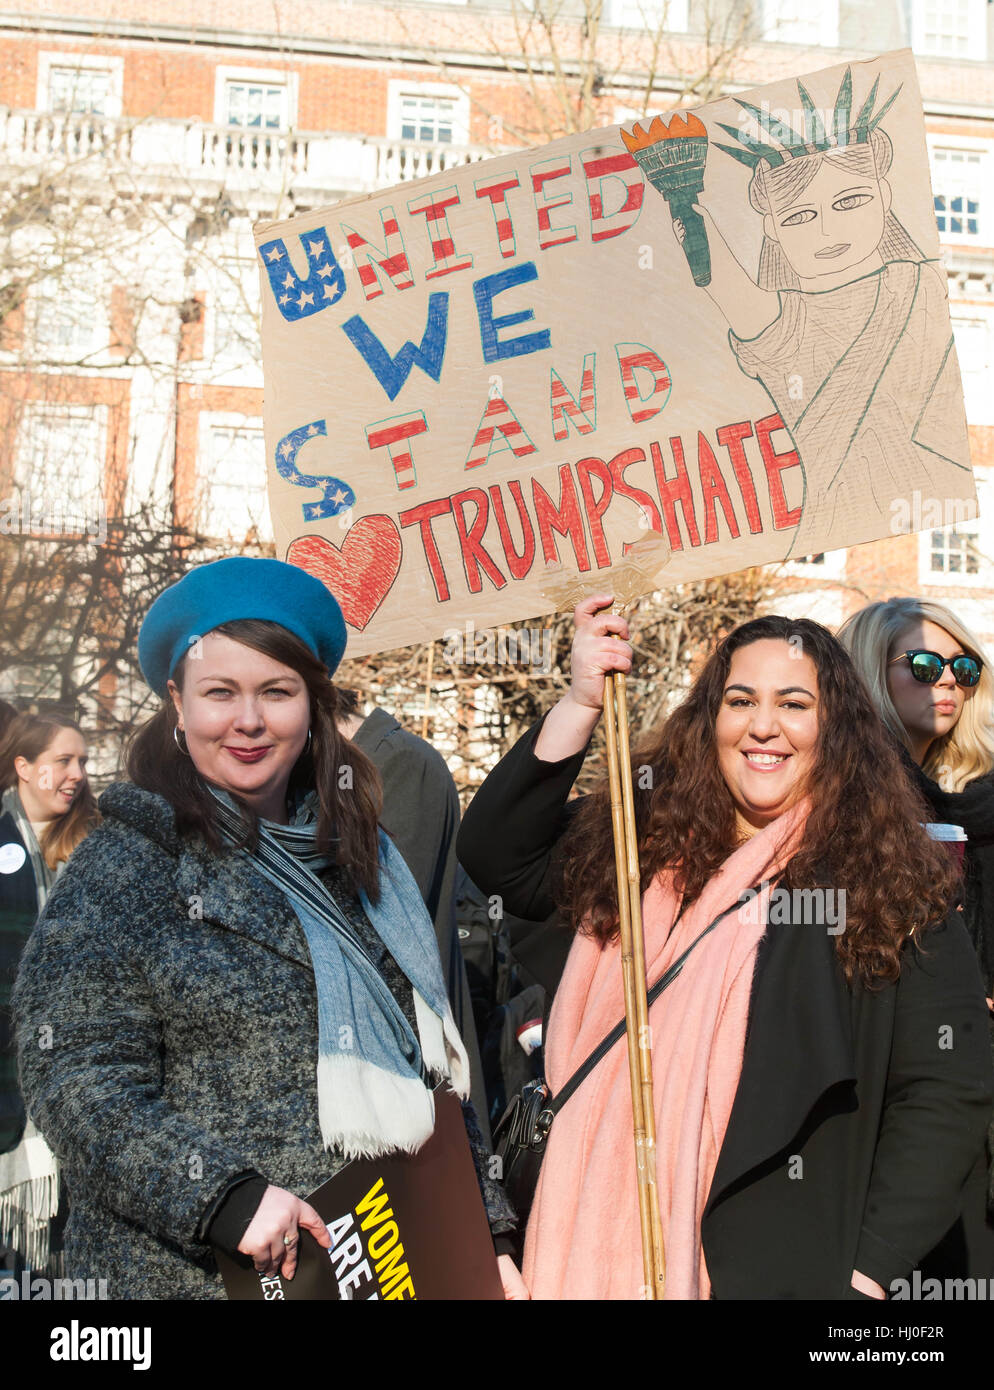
583	1236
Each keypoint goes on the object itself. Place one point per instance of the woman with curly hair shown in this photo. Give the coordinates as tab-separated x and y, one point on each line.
822	1082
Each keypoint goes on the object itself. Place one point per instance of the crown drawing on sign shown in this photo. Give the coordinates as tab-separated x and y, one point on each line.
842	131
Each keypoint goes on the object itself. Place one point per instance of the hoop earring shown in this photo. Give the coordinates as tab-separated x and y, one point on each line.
176	733
307	745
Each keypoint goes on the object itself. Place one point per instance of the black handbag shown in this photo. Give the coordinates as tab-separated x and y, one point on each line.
522	1132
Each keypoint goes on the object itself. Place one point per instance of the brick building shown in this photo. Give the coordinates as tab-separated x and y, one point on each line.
129	356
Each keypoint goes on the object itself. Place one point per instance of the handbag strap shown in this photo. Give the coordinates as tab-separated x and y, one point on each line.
556	1103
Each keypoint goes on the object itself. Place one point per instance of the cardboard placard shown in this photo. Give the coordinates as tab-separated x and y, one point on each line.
724	335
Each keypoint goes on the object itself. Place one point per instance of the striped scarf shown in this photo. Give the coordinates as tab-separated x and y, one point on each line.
374	1071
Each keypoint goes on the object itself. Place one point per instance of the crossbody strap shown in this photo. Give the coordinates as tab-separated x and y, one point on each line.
665	980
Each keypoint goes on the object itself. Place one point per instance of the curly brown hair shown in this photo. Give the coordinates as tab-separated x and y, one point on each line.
864	832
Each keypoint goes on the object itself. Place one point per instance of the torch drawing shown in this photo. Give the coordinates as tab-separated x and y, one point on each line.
672	158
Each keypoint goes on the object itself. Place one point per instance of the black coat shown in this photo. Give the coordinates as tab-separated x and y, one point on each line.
18	910
861	1086
973	809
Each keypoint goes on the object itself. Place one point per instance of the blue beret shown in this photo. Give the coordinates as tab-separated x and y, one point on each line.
240	587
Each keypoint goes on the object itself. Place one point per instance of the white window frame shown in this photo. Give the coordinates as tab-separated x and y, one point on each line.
266	77
777	18
981	579
979	527
211	420
92	499
443	91
976	39
83	61
673	16
966	145
97	323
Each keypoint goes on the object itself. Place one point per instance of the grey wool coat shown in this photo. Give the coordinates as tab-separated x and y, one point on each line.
167	1031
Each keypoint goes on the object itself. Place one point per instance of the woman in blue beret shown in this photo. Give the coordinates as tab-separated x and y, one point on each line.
241	979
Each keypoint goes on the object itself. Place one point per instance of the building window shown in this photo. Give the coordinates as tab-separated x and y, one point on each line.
824	565
252	104
956	185
69	321
949	28
60	461
234	504
655	15
254	99
80	84
430	120
808	22
954	552
236	312
428	114
82	91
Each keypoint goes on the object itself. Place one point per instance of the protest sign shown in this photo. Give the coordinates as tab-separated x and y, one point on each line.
402	1226
729	327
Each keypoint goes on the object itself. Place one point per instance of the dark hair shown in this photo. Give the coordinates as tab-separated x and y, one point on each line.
348	702
7	716
348	815
28	736
864	829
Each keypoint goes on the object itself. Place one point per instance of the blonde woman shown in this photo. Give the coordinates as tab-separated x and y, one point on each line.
933	686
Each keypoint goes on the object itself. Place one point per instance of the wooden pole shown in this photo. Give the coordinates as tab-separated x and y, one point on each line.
633	974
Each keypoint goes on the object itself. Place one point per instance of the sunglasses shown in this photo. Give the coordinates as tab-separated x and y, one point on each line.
928	667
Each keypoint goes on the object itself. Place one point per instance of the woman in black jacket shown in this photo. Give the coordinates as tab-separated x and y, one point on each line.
934	689
47	808
839	1129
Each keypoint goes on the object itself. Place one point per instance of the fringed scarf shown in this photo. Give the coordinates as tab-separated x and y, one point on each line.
29	1200
374	1072
29	1174
583	1239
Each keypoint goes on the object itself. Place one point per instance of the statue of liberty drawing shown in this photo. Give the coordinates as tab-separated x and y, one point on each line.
845	323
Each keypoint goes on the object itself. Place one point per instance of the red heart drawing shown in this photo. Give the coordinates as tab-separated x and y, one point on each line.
361	573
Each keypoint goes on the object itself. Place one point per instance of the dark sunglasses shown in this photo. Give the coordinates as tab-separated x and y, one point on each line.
928	667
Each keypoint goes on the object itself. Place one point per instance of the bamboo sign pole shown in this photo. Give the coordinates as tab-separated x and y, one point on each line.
633	969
